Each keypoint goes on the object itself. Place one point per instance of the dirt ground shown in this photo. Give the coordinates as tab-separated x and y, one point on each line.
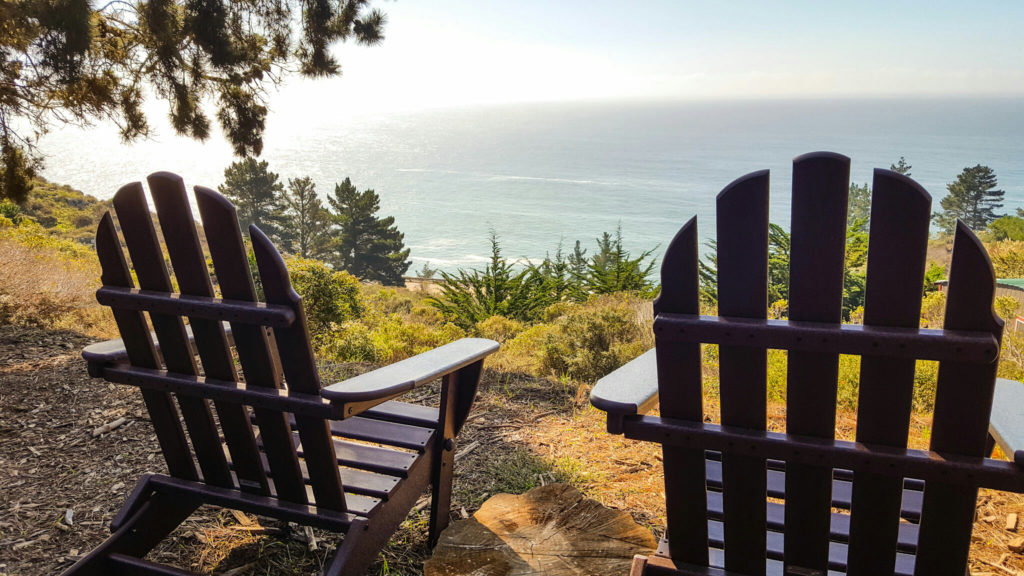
60	485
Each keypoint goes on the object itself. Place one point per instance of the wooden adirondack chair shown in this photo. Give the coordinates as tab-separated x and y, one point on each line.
285	451
901	511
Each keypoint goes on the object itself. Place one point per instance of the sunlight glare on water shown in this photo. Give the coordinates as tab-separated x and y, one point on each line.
544	173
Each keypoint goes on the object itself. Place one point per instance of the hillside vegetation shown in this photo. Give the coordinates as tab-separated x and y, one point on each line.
48	274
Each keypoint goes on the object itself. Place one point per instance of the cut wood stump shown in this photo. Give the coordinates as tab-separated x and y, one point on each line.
551	530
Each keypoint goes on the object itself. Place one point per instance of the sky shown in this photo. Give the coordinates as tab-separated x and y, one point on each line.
465	52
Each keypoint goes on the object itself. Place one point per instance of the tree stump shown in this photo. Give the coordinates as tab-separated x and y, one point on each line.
551	530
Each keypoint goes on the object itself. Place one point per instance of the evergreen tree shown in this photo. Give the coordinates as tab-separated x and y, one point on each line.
859	205
257	195
612	270
307	223
901	167
427	272
778	263
973	198
77	61
369	247
556	277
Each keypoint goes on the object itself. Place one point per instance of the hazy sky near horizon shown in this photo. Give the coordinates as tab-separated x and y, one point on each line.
460	52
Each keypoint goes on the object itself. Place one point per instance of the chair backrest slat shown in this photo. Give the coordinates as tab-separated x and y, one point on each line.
144	247
299	365
742	259
897	247
139	346
256	352
963	405
817	255
681	396
189	264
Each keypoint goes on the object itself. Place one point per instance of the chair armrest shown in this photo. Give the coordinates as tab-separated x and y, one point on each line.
113	352
630	390
1006	425
367	390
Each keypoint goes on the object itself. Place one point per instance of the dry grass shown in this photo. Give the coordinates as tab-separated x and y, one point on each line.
41	287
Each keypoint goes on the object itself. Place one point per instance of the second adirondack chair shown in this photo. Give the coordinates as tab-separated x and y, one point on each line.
291	450
742	500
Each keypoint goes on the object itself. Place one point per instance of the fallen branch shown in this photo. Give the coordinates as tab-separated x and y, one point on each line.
465	451
109	427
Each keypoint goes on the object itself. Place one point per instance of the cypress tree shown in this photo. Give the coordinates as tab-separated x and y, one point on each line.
612	270
307	223
973	198
257	195
366	246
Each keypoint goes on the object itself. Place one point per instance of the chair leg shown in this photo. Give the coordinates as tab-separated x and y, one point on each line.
153	520
639	566
441	493
366	537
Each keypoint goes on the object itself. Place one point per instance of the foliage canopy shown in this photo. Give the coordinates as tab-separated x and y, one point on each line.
67	61
973	198
365	245
256	193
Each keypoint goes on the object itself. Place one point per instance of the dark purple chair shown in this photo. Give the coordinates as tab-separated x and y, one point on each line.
280	446
900	511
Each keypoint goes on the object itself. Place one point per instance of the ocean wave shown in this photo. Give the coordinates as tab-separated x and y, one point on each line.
540	179
428	171
449	263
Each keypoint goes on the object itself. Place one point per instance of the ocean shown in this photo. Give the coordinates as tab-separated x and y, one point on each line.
543	174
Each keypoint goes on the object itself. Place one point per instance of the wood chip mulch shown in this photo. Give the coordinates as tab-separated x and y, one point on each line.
71	449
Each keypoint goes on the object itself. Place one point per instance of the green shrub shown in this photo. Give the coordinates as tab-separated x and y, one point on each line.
499	328
591	341
778	366
385	300
395	339
1006	307
1007	258
426	315
350	342
383	340
556	311
328	296
848	386
926	375
525	352
933	310
10	210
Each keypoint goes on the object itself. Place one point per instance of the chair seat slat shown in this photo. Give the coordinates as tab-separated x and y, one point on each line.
404	413
842	489
839	526
383	432
837	556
